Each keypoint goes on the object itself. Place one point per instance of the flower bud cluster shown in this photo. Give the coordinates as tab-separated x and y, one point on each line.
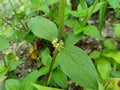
57	45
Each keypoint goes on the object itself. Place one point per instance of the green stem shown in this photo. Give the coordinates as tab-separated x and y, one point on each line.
51	67
60	32
102	15
90	14
61	19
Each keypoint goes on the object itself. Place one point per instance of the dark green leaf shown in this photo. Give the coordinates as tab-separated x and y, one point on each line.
77	65
43	28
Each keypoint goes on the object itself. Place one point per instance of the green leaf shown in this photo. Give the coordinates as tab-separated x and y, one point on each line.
113	54
114	3
46	58
112	84
60	78
43	28
77	65
8	32
4	44
92	31
115	74
39	87
104	67
18	36
3	69
108	43
72	39
117	30
14	64
95	54
32	77
13	84
98	6
35	1
2	78
50	2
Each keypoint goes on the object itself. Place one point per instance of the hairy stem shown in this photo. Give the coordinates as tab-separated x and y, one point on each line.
60	32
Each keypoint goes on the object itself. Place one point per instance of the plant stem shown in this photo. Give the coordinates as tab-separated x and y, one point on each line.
60	32
51	67
102	15
61	19
5	64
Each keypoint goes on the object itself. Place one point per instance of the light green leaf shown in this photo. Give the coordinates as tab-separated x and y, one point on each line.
60	78
72	39
114	3
13	84
39	87
43	28
77	65
92	31
113	54
104	68
95	54
4	44
117	30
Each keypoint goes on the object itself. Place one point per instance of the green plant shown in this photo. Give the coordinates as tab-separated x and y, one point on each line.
53	48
